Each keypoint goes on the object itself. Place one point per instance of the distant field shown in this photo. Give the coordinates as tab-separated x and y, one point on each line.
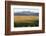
20	21
25	18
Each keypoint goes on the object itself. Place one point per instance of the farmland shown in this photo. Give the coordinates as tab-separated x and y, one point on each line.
25	21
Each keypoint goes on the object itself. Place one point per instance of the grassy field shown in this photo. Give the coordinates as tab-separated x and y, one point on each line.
25	21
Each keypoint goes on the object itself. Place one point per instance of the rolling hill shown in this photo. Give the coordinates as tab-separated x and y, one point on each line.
26	13
26	19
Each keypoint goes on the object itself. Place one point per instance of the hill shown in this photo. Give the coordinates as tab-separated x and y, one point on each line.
26	13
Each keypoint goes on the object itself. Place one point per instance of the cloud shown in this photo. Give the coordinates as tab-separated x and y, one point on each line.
26	9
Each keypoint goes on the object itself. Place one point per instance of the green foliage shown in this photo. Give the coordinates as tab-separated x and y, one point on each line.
33	24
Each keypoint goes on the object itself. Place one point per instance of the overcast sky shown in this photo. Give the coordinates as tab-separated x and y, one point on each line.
16	10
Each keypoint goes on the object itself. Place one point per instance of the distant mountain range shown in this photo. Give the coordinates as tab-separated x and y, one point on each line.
26	13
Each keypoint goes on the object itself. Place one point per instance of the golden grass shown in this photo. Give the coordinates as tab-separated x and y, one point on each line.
24	18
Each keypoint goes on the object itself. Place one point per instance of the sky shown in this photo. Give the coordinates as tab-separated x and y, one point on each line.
16	10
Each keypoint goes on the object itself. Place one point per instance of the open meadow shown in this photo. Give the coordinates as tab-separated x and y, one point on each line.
26	21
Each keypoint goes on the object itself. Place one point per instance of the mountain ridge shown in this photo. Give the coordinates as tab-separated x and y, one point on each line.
26	13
